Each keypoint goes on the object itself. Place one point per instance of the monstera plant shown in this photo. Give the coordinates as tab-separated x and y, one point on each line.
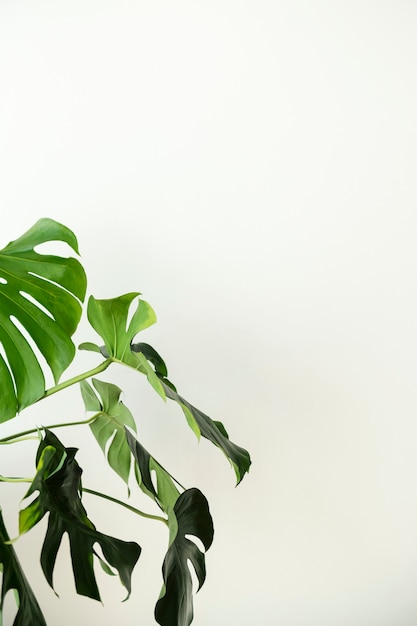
41	303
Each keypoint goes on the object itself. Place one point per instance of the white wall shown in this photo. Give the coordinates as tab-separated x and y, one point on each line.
250	167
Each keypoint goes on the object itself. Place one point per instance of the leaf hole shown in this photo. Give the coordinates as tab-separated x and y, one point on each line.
52	282
30	499
55	248
6	362
197	541
40	306
154	480
10	606
98	552
194	577
109	442
3	281
38	354
132	310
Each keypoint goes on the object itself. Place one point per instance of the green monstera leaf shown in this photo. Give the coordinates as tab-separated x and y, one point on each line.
29	612
109	318
166	492
58	481
109	424
189	516
40	295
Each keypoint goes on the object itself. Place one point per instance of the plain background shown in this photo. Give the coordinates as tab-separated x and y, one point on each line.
250	168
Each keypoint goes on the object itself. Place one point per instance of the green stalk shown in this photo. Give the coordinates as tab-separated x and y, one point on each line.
8	479
49	392
77	379
22	436
17	439
127	506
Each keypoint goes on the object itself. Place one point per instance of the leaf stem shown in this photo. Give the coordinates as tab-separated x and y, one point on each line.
22	436
77	379
17	439
127	506
9	479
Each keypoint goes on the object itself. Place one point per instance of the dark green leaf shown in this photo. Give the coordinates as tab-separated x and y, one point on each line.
58	480
29	612
42	293
110	424
215	432
199	422
190	516
166	493
151	355
109	319
221	428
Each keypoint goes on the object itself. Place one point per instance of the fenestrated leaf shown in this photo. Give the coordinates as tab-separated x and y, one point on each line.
112	417
43	293
166	492
58	480
109	318
190	516
29	612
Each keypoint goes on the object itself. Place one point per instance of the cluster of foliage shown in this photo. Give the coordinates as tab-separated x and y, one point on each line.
41	303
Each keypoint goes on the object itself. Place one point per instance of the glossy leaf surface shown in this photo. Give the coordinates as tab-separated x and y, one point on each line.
148	361
166	492
41	294
215	432
109	425
199	422
58	481
152	356
190	516
110	319
29	612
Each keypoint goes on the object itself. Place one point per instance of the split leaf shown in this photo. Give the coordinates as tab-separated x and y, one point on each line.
110	319
110	422
147	360
58	480
41	294
190	516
